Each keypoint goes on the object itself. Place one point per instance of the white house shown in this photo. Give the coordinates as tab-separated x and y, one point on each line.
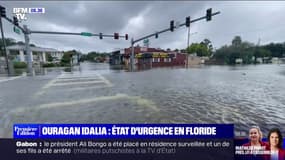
38	53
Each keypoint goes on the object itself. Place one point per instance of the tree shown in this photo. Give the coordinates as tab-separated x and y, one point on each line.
9	42
66	58
236	42
277	50
203	48
49	57
261	52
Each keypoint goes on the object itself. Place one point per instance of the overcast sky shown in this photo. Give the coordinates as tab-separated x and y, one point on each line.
249	19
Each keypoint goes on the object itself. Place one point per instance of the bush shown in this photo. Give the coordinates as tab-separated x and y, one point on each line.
20	65
49	65
62	64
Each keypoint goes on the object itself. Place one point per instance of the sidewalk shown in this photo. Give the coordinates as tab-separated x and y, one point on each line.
5	78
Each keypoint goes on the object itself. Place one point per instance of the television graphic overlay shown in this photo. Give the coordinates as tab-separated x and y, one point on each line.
142	80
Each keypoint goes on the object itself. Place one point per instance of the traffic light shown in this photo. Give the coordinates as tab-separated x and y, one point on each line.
172	26
209	14
156	35
127	36
187	21
101	35
3	11
15	21
116	35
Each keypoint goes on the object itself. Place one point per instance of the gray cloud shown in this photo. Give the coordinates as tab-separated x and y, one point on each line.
251	20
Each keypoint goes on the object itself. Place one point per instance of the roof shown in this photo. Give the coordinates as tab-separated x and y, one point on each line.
36	49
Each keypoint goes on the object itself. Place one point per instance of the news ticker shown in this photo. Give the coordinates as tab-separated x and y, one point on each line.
123	131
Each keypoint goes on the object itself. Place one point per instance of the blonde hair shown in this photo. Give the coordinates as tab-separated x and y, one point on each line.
258	130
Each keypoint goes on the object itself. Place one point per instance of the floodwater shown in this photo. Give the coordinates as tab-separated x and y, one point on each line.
97	93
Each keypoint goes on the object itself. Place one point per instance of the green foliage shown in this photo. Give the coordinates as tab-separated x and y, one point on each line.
49	57
236	42
9	42
260	52
94	57
244	50
277	50
66	58
49	65
20	65
203	48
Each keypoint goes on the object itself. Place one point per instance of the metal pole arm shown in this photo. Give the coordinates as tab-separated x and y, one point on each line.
11	21
168	29
72	33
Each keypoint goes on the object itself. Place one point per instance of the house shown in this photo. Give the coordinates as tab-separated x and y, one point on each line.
39	54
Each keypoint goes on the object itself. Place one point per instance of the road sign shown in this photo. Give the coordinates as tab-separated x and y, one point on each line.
86	34
17	30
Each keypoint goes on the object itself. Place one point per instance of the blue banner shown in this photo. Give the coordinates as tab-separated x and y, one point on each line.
36	131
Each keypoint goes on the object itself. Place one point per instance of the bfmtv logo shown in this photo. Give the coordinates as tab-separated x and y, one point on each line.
21	13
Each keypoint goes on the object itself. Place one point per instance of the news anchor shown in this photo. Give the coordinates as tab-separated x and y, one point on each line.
275	142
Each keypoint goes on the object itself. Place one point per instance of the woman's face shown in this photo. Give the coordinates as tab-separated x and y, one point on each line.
254	135
274	139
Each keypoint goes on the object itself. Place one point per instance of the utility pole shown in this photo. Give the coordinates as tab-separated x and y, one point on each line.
132	54
188	40
28	49
5	49
188	45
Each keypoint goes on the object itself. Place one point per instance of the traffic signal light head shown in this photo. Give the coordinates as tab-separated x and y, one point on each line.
209	14
15	21
156	35
100	35
172	26
187	21
127	36
116	35
3	11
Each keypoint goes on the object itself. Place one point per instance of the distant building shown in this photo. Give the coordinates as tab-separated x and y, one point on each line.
18	53
238	61
116	57
153	57
275	60
259	60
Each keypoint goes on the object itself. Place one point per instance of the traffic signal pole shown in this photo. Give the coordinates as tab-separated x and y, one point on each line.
73	33
28	50
4	48
162	31
26	32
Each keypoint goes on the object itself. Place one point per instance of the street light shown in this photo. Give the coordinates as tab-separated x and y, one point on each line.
188	44
188	36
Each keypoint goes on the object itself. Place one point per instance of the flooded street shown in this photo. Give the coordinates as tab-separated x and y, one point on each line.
94	93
